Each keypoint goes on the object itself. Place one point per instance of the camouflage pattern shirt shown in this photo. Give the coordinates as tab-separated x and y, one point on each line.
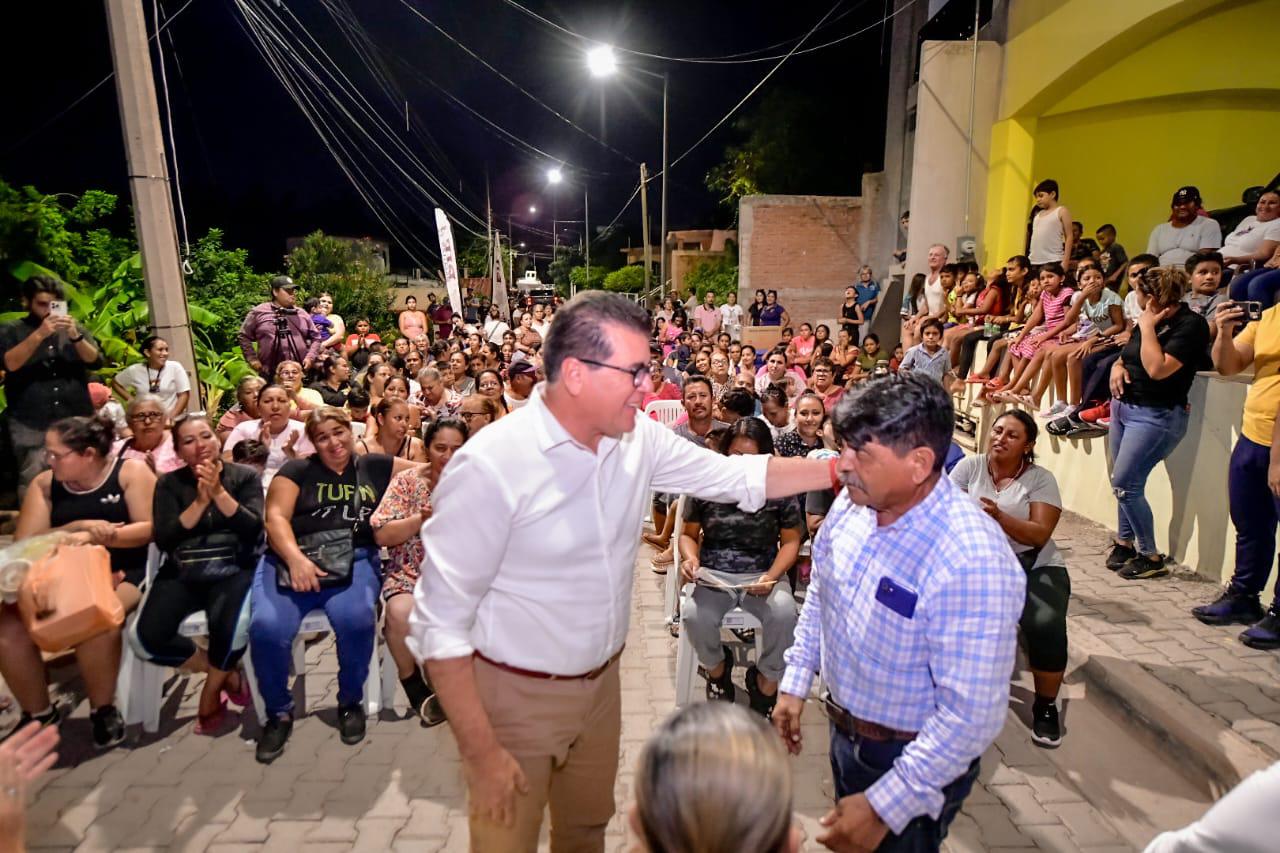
741	542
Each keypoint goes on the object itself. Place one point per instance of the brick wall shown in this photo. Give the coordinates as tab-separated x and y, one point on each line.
808	248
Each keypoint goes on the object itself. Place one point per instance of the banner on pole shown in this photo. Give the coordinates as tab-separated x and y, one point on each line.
501	297
449	258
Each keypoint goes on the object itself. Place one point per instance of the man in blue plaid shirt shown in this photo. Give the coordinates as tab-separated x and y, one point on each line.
911	618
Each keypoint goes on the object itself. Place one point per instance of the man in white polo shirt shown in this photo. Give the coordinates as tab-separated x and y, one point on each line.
525	596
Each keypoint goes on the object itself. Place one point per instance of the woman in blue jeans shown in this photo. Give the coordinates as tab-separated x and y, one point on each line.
1149	412
309	501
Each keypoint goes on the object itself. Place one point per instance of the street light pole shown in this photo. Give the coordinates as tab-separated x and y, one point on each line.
666	179
586	226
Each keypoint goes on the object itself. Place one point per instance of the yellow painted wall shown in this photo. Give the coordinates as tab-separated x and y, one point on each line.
1124	106
1122	164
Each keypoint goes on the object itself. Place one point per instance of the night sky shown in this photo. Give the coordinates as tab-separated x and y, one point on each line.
251	163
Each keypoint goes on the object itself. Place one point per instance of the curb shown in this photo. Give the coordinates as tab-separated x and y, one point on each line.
1202	743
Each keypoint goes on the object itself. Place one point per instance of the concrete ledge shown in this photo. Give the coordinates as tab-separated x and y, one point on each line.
1195	739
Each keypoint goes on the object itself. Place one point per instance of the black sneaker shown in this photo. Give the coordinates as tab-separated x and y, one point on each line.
1265	633
1119	555
759	701
50	717
1063	424
1046	730
275	734
721	689
1142	567
351	723
1231	608
108	727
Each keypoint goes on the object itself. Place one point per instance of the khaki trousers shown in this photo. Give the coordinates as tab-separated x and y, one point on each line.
565	736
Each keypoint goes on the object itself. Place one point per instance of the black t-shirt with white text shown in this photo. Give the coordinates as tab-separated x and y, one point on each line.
326	501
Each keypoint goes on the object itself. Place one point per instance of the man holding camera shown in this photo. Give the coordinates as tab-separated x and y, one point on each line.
279	331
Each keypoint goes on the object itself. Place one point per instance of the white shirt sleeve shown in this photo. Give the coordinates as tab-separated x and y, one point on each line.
181	383
685	468
462	554
1244	821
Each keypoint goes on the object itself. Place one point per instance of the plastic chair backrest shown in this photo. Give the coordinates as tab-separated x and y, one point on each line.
668	411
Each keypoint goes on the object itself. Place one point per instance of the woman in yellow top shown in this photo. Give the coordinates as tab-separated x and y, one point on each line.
301	400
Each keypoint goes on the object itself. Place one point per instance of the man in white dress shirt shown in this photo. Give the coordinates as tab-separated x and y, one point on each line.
525	597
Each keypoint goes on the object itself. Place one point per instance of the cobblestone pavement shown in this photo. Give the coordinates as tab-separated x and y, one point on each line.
402	788
1150	622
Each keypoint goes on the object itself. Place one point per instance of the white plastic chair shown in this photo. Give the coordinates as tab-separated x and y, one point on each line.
668	411
140	684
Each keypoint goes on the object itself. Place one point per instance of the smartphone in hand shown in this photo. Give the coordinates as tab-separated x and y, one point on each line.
58	308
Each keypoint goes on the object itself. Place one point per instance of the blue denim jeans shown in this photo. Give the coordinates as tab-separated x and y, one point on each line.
857	763
1254	512
1141	438
277	614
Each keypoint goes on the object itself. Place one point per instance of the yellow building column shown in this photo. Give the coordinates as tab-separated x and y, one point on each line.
1008	190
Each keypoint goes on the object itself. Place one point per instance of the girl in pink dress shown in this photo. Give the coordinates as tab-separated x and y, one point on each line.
1046	322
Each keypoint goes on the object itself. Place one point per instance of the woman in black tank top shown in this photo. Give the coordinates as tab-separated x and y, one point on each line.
99	500
394	432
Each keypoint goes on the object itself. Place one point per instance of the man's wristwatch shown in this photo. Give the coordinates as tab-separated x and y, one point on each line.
76	340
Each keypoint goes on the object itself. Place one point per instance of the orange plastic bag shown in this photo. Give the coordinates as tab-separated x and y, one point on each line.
68	597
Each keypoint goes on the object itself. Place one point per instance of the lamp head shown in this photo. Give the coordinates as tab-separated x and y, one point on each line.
601	62
554	175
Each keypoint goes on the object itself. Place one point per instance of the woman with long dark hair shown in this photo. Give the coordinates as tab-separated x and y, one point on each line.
1023	499
208	523
1149	412
396	524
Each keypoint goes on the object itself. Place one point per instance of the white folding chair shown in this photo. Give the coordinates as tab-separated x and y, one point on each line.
671	598
139	684
736	619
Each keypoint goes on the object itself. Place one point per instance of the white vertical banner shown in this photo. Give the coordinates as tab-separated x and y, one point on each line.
449	258
501	297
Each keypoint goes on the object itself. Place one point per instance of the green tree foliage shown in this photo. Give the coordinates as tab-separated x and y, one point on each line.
74	241
625	280
350	271
223	282
102	272
583	279
473	259
718	275
788	147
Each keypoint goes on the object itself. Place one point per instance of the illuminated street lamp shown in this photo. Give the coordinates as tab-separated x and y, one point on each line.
601	62
554	175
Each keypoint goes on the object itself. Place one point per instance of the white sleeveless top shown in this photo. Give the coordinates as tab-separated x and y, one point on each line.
1048	238
935	296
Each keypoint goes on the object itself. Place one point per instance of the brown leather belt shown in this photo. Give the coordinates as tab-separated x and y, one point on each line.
551	676
850	726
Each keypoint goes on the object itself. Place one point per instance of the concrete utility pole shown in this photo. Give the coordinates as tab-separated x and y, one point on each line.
644	216
149	186
666	179
586	226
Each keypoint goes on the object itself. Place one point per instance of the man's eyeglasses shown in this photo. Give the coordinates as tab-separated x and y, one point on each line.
638	374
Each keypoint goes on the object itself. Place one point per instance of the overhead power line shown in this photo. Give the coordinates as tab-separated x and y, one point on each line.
561	116
730	59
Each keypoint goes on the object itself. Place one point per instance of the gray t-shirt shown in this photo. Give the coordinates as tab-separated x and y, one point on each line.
1035	485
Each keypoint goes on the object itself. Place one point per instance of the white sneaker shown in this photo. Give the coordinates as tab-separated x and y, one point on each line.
1058	408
